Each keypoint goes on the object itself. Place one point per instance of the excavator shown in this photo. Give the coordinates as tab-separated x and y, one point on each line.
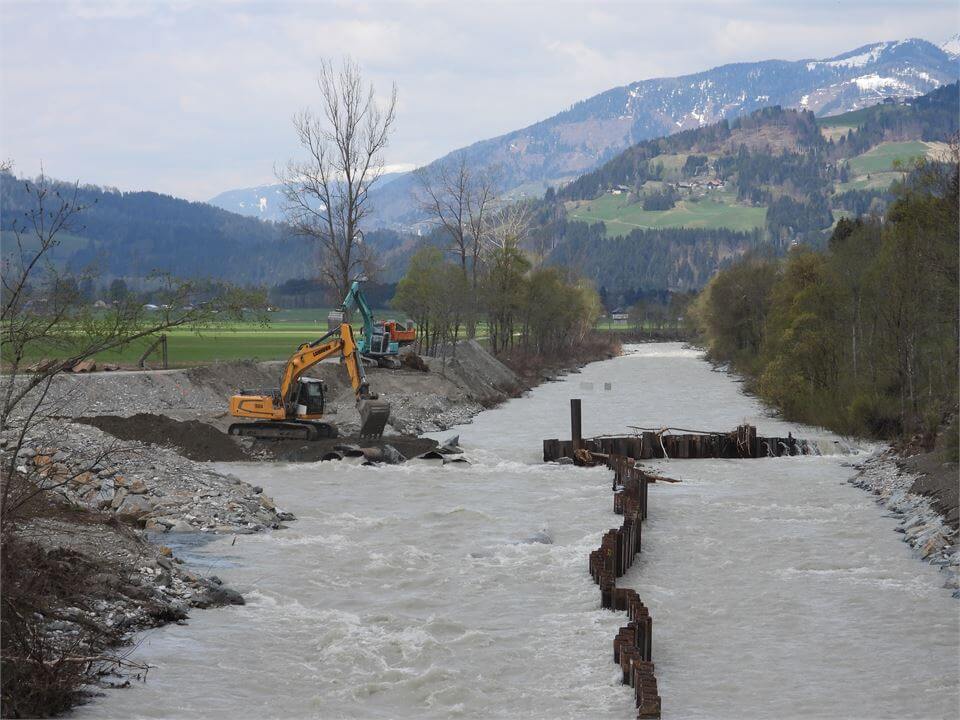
379	341
294	410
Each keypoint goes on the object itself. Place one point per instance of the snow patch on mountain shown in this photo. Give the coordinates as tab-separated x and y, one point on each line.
854	61
952	46
876	83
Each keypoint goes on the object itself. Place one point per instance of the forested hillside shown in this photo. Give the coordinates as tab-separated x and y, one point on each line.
863	336
131	235
668	213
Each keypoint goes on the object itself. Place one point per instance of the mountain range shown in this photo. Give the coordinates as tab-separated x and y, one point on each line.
560	148
667	213
692	196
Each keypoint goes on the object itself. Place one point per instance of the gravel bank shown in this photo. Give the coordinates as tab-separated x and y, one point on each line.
155	487
922	525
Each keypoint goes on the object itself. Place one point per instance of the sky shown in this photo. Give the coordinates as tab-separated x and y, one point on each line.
193	98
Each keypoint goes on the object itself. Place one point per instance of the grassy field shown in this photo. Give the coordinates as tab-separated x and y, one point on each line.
671	163
873	170
715	211
236	341
249	341
881	158
876	181
852	119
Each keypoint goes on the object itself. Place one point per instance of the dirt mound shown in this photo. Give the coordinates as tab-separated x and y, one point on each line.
192	439
200	441
488	380
226	378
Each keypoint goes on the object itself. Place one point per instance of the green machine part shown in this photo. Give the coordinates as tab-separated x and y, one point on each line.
370	343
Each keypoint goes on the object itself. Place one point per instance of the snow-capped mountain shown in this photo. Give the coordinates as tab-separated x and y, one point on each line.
266	201
952	46
592	131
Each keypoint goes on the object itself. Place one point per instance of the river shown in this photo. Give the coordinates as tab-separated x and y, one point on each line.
776	588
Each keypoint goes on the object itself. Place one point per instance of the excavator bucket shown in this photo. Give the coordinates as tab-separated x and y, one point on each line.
373	418
334	320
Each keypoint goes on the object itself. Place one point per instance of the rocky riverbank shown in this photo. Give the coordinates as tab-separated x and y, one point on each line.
923	526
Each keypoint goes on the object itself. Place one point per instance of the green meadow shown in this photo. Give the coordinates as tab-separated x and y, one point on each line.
715	210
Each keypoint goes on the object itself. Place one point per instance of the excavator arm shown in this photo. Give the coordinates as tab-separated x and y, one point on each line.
373	413
355	298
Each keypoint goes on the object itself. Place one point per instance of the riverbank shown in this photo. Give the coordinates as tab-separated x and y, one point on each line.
124	464
535	369
923	526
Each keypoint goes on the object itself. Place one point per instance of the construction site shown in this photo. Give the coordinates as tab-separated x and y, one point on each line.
448	490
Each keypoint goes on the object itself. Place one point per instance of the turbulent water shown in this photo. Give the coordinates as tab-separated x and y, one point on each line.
777	589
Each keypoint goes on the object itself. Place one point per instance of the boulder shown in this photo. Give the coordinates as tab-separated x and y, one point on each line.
84	366
135	506
220	595
137	487
118	497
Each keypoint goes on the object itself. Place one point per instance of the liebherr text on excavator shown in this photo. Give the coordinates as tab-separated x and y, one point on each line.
294	411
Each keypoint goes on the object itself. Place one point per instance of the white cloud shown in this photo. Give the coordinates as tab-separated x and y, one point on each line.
193	98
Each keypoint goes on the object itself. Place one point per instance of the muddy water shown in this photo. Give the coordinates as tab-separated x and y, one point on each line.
777	590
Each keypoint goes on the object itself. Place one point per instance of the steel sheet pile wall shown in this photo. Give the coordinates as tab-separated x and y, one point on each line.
740	443
632	647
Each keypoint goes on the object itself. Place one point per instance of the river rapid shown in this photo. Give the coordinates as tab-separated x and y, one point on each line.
417	591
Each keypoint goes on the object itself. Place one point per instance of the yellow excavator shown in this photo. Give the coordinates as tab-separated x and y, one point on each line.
294	411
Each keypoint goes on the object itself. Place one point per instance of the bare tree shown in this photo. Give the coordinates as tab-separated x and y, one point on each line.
507	228
459	199
327	193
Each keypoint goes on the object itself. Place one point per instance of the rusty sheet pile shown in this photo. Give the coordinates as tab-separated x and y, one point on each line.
633	645
648	444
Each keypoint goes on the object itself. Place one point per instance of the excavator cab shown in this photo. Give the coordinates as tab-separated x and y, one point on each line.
309	400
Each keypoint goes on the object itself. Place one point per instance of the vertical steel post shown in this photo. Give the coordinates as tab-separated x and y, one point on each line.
575	426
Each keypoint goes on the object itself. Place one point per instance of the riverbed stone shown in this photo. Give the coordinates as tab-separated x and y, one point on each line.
137	487
136	505
118	497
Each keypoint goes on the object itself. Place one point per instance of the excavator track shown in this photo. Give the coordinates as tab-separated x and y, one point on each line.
283	430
